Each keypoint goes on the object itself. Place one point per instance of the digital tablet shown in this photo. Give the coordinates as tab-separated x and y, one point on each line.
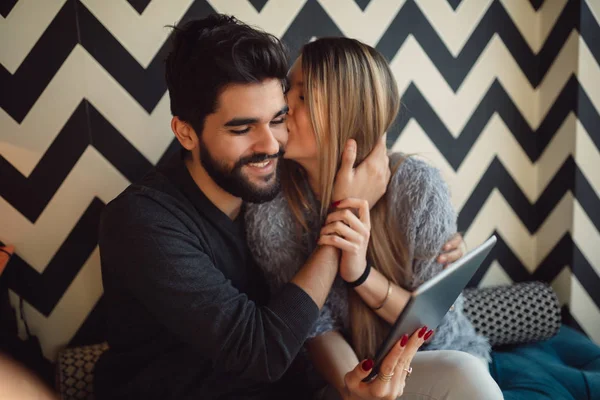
430	302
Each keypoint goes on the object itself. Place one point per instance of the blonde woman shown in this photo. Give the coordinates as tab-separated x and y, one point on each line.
342	89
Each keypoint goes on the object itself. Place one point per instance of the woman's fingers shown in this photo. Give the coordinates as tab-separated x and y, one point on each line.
453	250
363	209
338	243
403	366
399	383
348	159
393	372
450	257
347	217
381	168
386	381
353	379
454	242
343	230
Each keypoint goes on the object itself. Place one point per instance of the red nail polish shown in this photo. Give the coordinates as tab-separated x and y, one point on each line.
367	365
404	340
422	331
335	204
428	335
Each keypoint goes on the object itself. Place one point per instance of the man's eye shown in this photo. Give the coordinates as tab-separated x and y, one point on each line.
241	131
278	121
302	98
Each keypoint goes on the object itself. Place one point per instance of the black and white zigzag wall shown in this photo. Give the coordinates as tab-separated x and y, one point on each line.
502	95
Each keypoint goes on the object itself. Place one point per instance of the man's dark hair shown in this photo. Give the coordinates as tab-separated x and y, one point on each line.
210	53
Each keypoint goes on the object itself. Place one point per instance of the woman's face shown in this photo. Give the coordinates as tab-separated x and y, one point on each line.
302	143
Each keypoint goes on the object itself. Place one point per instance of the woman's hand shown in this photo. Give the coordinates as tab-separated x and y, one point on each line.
349	233
454	249
391	379
369	180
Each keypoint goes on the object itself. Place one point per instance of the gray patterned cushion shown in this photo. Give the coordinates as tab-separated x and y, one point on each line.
75	367
519	313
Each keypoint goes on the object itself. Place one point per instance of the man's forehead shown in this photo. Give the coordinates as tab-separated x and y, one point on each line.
251	100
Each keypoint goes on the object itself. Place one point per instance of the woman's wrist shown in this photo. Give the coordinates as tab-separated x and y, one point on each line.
357	280
376	289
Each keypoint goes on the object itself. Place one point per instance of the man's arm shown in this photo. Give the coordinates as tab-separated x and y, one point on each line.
318	274
165	268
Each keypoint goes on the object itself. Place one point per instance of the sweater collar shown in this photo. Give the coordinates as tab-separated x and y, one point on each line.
177	172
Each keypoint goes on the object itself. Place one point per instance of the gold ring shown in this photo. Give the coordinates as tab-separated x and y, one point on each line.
385	377
408	371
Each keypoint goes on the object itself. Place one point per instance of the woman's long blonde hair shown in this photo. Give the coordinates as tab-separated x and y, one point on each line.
351	93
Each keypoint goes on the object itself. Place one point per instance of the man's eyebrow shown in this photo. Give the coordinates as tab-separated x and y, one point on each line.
241	121
283	110
248	121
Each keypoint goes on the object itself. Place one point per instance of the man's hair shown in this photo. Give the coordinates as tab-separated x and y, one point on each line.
211	53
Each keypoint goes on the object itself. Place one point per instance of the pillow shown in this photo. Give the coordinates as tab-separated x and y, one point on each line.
566	367
75	371
514	314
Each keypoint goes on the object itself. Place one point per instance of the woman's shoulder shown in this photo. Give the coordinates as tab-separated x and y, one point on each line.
413	178
420	200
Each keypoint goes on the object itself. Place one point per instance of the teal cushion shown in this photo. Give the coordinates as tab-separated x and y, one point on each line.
566	366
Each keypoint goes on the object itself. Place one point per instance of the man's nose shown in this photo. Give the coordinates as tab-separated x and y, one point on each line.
267	142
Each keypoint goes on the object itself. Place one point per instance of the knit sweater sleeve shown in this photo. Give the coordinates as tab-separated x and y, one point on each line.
422	204
148	251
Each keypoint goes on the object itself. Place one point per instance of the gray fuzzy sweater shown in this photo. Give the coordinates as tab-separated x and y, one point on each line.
419	200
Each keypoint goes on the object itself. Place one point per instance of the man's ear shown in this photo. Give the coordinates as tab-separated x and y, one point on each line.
184	133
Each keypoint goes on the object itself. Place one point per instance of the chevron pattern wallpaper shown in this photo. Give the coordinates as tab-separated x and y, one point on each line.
502	95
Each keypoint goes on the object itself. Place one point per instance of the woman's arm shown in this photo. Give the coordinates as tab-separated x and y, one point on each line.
374	292
420	200
333	357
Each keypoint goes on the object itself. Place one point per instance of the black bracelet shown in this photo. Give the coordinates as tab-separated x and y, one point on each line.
362	278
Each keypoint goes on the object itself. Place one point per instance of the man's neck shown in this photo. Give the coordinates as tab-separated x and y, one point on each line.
224	201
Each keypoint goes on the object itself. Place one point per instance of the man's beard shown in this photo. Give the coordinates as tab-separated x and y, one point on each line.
233	181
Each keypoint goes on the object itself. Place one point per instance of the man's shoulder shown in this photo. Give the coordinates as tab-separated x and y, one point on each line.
152	198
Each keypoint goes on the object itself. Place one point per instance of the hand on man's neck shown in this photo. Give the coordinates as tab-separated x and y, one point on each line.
223	200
